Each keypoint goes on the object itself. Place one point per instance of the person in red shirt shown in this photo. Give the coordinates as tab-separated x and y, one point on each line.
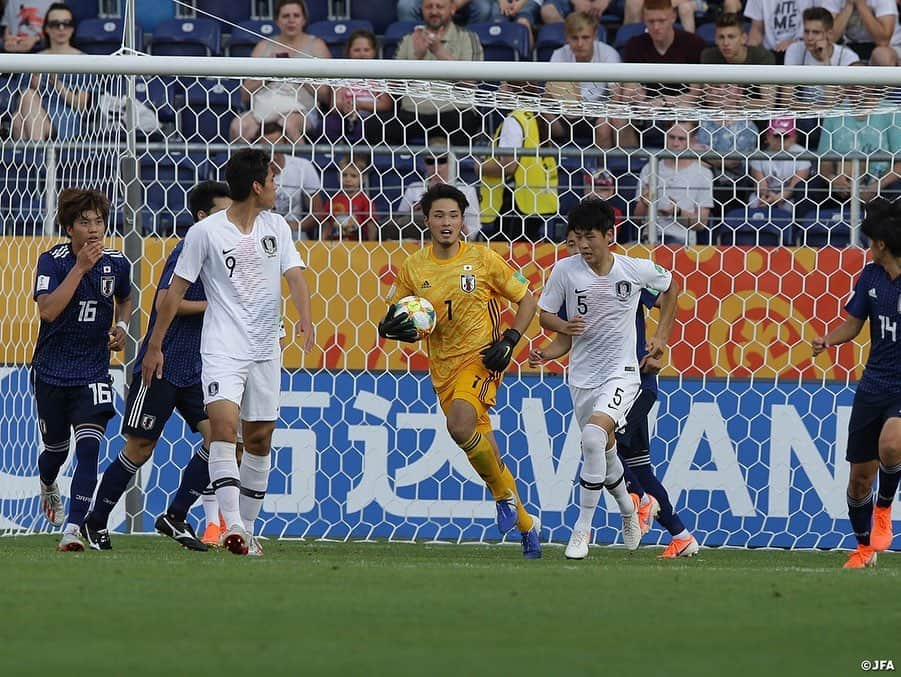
351	215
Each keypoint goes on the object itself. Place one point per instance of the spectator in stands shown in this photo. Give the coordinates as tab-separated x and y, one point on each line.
439	39
732	48
359	112
24	21
780	183
601	184
582	46
466	11
519	193
684	190
775	24
662	43
55	105
525	12
408	216
865	24
287	104
556	11
884	56
298	185
350	213
634	10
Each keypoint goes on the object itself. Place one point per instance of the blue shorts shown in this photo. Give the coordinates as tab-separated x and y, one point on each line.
635	438
61	408
869	413
148	408
564	7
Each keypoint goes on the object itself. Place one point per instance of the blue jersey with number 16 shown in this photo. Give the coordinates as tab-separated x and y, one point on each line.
877	298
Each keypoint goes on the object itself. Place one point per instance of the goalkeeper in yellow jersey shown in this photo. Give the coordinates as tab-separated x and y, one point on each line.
468	352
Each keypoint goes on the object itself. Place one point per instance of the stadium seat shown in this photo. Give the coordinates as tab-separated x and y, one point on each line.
626	32
318	10
247	35
824	227
84	9
508	41
226	13
388	176
707	32
210	106
761	226
104	36
335	33
553	36
167	177
393	35
159	94
186	37
22	179
380	13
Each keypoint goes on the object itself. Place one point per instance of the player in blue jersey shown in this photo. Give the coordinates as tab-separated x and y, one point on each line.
874	430
148	408
79	288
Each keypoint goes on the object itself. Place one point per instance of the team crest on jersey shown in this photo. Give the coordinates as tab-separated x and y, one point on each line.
270	246
213	389
147	421
468	283
623	289
107	285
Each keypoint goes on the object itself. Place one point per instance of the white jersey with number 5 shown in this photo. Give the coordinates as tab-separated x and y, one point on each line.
608	303
242	277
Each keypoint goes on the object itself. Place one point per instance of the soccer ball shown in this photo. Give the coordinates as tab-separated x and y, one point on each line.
420	311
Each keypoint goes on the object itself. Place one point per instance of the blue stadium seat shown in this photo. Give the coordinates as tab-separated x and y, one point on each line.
394	34
387	178
823	227
760	226
226	13
104	36
246	37
380	13
707	33
553	36
336	32
626	32
22	179
84	9
159	94
508	41
318	10
211	105
167	177
187	37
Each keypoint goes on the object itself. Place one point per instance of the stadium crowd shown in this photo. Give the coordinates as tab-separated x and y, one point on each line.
705	188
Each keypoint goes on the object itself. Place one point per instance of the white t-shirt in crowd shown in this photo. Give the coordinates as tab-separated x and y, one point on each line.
779	172
690	188
409	205
603	53
25	17
295	186
781	19
609	304
856	30
241	276
797	55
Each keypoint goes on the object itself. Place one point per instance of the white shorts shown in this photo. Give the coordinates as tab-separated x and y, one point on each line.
253	386
272	105
614	398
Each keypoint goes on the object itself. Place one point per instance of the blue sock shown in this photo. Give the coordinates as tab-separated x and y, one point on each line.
51	460
194	479
633	485
84	481
888	485
667	516
860	512
112	486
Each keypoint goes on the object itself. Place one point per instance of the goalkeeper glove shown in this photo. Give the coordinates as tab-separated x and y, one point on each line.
497	357
398	327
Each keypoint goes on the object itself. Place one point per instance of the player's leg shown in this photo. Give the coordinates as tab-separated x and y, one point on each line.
54	426
889	474
864	428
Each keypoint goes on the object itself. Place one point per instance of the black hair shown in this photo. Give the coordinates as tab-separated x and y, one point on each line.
442	191
883	223
592	213
244	168
201	197
73	202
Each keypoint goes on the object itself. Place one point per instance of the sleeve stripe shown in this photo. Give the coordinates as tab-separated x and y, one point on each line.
494	314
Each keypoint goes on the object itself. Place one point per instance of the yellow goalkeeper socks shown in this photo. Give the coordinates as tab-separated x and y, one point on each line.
486	461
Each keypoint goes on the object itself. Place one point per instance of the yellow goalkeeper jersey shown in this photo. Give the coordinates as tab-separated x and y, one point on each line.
466	292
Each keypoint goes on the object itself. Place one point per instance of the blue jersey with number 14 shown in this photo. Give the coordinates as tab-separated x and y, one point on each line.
73	349
877	298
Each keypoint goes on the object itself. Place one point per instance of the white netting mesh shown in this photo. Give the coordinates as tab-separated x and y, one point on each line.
749	432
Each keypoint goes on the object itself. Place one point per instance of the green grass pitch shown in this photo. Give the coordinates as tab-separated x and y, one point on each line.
322	608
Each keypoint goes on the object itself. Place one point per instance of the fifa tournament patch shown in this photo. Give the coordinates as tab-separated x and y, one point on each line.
520	277
392	290
43	283
660	269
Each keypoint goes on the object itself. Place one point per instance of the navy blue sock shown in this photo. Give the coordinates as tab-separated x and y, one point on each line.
667	516
633	485
860	512
888	484
84	481
112	486
51	460
194	479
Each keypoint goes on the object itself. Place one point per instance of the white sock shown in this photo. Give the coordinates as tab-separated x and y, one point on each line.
616	483
224	478
210	506
591	479
683	534
254	481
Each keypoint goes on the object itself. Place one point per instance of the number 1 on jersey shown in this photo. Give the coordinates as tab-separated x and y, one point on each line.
450	310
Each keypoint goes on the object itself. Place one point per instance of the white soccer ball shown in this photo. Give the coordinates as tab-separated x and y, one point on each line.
420	311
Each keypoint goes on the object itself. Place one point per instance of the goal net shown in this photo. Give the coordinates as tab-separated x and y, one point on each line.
749	183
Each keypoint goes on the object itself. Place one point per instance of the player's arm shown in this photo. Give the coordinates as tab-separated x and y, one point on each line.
668	305
184	307
153	359
52	304
300	297
553	322
554	350
845	332
497	356
119	333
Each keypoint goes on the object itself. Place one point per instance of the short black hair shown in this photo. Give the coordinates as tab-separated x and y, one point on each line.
442	191
243	168
883	223
592	213
201	197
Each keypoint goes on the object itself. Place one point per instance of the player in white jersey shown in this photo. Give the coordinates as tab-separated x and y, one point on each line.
240	254
603	289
